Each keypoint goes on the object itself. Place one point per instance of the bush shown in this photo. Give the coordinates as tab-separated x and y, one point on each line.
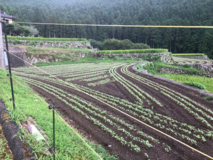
195	84
94	43
115	44
186	66
149	67
17	42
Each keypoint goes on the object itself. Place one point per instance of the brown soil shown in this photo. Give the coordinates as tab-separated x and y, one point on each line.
94	133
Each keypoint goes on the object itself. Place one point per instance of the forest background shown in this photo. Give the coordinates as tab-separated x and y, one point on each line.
124	12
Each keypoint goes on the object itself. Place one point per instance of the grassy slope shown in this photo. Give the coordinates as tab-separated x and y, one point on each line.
87	59
68	144
191	78
133	51
188	54
159	64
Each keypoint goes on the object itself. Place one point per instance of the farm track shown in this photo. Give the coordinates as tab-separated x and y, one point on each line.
114	93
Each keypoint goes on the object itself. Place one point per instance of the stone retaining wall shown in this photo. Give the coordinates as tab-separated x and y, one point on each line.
205	67
69	44
162	57
193	57
171	70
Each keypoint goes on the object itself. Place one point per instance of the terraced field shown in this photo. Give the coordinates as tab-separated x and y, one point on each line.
102	100
178	60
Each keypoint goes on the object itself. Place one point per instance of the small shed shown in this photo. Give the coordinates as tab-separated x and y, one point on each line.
7	18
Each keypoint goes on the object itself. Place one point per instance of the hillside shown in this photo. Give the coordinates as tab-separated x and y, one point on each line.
153	12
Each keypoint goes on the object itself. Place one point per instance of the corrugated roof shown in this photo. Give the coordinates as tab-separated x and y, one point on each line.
4	15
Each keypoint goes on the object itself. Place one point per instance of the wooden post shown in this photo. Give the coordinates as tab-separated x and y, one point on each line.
2	61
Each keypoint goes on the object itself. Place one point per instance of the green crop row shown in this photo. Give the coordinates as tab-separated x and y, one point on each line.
188	54
45	39
134	51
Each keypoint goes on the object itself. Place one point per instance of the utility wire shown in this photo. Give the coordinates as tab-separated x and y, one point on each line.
123	112
116	25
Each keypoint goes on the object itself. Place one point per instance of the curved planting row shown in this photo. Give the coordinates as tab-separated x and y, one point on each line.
197	110
146	107
164	123
95	113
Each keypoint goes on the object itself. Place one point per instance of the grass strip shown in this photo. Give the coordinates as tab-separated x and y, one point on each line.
45	39
86	59
68	144
188	54
133	51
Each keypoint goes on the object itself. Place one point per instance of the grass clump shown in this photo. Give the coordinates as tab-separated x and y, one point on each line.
195	84
207	98
186	66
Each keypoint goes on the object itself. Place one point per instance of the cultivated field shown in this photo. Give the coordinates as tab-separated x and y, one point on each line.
178	60
87	90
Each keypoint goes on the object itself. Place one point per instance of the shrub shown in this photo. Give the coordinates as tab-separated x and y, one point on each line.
195	84
115	44
186	66
207	98
17	42
95	44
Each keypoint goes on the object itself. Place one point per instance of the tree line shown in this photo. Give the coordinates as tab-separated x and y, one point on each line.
126	12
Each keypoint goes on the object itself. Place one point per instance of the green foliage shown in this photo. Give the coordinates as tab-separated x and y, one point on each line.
207	82
142	12
86	59
207	98
149	67
45	39
94	43
17	42
115	44
133	51
186	66
195	84
188	54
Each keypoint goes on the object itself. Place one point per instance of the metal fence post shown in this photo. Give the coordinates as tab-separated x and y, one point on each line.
52	106
10	74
